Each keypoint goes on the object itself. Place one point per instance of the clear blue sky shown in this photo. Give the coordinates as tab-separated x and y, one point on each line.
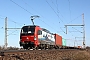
54	14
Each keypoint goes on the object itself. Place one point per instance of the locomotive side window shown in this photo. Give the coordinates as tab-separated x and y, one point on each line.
39	32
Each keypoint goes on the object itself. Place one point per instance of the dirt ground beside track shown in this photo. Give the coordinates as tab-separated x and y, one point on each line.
51	55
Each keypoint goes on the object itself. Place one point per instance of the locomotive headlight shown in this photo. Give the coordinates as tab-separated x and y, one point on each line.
34	38
27	38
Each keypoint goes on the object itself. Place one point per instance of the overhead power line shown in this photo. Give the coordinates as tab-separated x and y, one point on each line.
11	20
62	29
25	10
48	25
74	19
29	5
54	11
77	29
12	32
29	12
18	23
40	15
56	15
21	7
57	8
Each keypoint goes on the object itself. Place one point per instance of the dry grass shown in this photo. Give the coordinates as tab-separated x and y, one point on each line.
82	55
52	55
8	48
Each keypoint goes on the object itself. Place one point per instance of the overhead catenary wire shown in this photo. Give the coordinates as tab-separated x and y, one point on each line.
57	7
28	12
21	7
13	22
29	5
77	29
48	24
62	30
69	11
74	19
34	9
71	33
9	19
31	13
18	23
55	12
40	15
12	33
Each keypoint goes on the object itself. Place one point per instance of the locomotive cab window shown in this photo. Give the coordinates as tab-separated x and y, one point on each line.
39	32
28	30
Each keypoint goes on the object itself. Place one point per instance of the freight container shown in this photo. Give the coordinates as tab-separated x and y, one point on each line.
58	39
79	47
63	42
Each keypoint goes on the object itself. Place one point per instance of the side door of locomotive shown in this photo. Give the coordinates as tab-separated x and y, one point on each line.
39	34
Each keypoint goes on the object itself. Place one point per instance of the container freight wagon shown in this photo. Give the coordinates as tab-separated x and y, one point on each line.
58	39
63	42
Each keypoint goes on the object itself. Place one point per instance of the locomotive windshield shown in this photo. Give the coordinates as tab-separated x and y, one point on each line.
28	30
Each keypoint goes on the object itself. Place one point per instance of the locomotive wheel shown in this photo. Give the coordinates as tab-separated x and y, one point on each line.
25	47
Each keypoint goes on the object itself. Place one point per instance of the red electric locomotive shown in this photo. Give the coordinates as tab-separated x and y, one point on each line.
29	36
